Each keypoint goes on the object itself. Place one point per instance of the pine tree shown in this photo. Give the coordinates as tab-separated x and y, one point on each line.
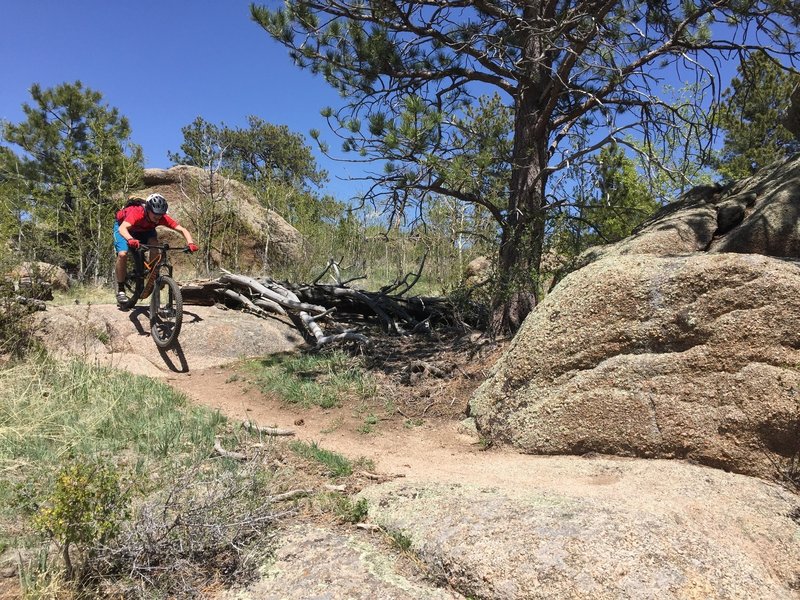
750	117
78	157
580	68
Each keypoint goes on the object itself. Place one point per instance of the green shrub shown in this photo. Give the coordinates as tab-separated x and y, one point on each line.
16	318
343	507
84	509
354	512
401	540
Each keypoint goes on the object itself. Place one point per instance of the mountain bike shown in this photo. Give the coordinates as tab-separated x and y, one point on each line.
154	279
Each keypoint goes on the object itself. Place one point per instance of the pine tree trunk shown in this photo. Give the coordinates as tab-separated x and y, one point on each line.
522	234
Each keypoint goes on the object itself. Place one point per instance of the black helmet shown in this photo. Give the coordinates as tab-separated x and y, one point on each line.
157	203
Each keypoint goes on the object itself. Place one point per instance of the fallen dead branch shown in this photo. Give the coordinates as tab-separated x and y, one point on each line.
290	495
309	306
269	431
380	478
227	453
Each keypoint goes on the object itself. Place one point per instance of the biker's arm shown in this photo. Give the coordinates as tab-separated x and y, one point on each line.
184	232
123	231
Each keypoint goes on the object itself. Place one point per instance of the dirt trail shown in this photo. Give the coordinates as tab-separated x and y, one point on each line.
428	445
438	449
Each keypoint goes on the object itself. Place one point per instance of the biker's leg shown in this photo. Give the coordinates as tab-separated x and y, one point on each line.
121	269
121	264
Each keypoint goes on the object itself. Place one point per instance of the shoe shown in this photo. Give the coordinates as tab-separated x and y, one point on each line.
121	298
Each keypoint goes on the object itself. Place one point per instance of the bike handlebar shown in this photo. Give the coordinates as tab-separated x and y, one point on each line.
164	247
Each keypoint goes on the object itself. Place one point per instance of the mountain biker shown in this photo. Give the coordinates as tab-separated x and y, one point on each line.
136	224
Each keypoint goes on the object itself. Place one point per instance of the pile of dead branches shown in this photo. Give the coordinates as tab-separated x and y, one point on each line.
310	305
27	291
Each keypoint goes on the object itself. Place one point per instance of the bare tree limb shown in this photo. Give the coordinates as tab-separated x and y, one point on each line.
227	453
270	431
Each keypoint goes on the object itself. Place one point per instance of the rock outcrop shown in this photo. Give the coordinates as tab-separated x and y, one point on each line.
191	190
678	342
601	529
478	271
756	215
682	357
52	275
321	562
104	335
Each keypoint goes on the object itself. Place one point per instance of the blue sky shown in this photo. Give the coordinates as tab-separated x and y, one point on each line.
163	63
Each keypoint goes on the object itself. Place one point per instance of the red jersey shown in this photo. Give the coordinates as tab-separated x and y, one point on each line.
135	215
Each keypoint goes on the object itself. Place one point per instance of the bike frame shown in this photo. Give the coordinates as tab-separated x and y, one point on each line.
158	266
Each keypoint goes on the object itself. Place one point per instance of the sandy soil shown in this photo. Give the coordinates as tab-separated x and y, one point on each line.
404	442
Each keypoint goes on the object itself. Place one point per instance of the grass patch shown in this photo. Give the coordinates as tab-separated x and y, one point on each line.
401	540
118	467
337	465
370	421
313	379
50	410
84	294
344	508
52	413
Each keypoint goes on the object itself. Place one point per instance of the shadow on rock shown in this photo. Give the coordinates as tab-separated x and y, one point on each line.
177	351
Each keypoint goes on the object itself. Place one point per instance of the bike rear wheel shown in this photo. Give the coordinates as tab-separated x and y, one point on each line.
134	279
166	312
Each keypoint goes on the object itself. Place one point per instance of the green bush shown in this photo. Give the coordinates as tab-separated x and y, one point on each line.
343	507
84	509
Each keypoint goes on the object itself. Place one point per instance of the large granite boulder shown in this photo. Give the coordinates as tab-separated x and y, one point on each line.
693	357
680	341
52	275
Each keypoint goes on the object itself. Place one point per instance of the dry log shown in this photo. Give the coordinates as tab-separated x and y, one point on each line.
248	305
202	293
291	495
323	339
227	453
270	306
270	431
380	478
249	282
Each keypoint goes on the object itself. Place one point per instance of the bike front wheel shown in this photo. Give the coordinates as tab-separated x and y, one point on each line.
166	312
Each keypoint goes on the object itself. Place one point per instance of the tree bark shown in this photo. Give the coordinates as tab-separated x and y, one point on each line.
522	233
